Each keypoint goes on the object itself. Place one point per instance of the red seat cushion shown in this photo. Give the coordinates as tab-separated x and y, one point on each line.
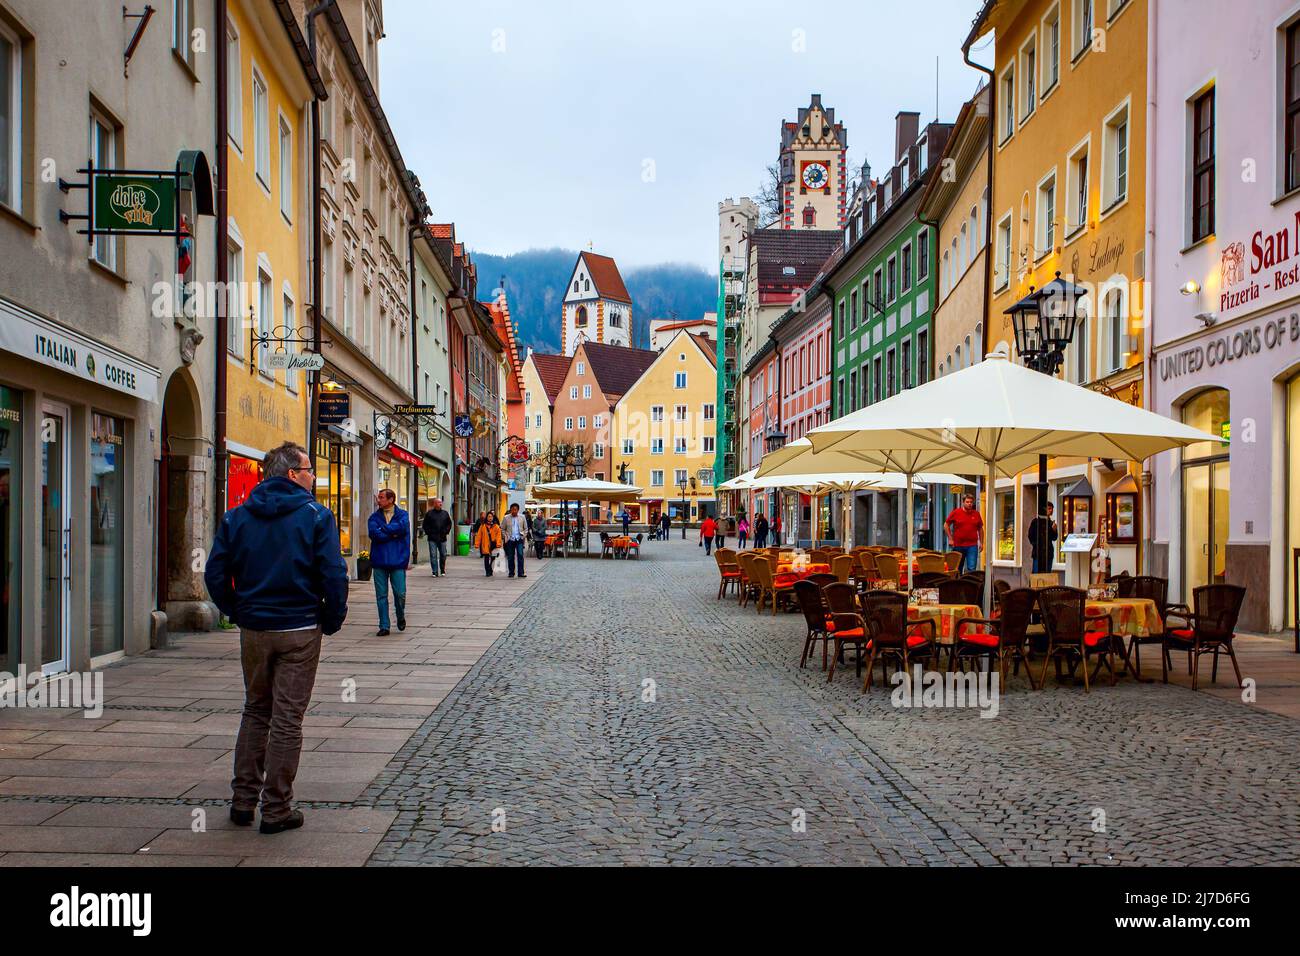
731	574
983	640
849	632
784	581
1185	633
1094	639
916	640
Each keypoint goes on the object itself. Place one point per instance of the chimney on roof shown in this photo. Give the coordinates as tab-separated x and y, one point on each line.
907	126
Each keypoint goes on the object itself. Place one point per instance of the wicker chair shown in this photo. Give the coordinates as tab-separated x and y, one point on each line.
842	566
1157	590
893	635
748	577
1072	634
819	556
931	563
888	566
929	579
846	624
770	587
728	570
822	578
1002	639
952	560
817	618
959	591
1209	629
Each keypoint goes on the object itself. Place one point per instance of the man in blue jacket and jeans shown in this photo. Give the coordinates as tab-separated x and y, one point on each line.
276	571
390	553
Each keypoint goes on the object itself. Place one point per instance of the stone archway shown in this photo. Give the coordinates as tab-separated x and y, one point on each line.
184	476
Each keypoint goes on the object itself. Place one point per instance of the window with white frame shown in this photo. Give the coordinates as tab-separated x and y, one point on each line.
679	477
582	368
1028	78
11	118
1050	59
708	411
1079	350
286	169
598	421
103	151
1115	322
708	444
182	21
537	419
627	446
234	89
906	254
1007	95
573	393
679	413
1076	189
679	380
586	391
923	255
1114	184
234	298
656	477
287	326
656	446
891	279
598	451
265	320
568	424
1045	230
679	445
656	413
261	130
1082	26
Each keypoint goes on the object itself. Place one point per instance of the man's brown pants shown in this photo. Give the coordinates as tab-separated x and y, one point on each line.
279	673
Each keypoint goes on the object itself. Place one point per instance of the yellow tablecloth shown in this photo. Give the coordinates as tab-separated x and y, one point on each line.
1133	617
945	617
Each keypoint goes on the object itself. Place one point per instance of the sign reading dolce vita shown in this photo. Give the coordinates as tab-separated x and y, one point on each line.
123	202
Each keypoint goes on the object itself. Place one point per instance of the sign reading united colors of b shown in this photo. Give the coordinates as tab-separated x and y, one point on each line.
140	203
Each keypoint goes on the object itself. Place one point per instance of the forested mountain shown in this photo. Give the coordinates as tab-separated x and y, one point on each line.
535	282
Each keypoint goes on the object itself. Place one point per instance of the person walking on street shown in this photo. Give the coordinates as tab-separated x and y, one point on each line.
760	531
1042	533
627	521
488	541
514	531
664	523
742	531
965	529
539	534
437	526
275	569
390	554
708	528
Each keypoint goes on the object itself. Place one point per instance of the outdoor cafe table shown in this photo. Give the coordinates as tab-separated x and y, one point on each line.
1132	617
621	543
803	572
945	617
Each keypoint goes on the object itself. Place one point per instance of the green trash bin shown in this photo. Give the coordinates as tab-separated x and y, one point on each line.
462	542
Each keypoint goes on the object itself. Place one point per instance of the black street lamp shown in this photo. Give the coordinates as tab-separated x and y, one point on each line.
774	440
1044	322
681	487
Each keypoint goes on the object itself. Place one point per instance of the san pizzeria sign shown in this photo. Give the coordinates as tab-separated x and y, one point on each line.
1269	260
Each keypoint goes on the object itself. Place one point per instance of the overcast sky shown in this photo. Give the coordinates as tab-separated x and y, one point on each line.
558	123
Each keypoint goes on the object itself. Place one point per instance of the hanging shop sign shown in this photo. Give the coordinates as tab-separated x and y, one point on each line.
129	202
463	426
296	361
398	453
431	410
516	450
334	408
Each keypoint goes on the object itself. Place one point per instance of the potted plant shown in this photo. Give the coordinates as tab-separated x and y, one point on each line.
363	566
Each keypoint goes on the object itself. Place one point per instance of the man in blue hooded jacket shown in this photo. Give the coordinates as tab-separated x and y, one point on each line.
390	554
275	570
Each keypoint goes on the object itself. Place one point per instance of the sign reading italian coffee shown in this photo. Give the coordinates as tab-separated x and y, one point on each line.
1234	345
133	203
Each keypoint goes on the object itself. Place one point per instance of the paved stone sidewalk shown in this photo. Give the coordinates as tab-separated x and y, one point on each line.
556	748
123	789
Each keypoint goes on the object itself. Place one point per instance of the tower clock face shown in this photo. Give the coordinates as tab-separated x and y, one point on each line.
816	175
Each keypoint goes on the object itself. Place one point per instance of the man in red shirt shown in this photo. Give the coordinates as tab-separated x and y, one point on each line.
708	528
965	528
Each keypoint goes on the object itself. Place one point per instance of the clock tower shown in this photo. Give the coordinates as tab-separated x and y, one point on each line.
814	191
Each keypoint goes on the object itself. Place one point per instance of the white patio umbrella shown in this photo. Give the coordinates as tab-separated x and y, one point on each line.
997	417
799	464
586	490
739	483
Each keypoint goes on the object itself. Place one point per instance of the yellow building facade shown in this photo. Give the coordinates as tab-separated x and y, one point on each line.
1069	196
270	90
664	431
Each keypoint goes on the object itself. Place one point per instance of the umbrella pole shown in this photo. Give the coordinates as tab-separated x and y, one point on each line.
988	543
907	527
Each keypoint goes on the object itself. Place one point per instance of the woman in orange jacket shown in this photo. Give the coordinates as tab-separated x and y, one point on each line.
488	540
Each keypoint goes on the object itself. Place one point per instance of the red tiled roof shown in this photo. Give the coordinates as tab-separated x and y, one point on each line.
803	250
617	367
707	345
687	324
505	330
442	230
605	274
552	370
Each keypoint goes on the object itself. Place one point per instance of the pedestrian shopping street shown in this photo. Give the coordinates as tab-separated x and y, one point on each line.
516	722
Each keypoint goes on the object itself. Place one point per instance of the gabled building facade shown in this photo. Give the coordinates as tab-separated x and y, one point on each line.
597	306
811	164
543	377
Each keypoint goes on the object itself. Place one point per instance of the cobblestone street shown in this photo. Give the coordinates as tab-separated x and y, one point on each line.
553	749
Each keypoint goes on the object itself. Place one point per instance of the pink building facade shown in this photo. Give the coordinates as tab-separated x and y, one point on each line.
1223	298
